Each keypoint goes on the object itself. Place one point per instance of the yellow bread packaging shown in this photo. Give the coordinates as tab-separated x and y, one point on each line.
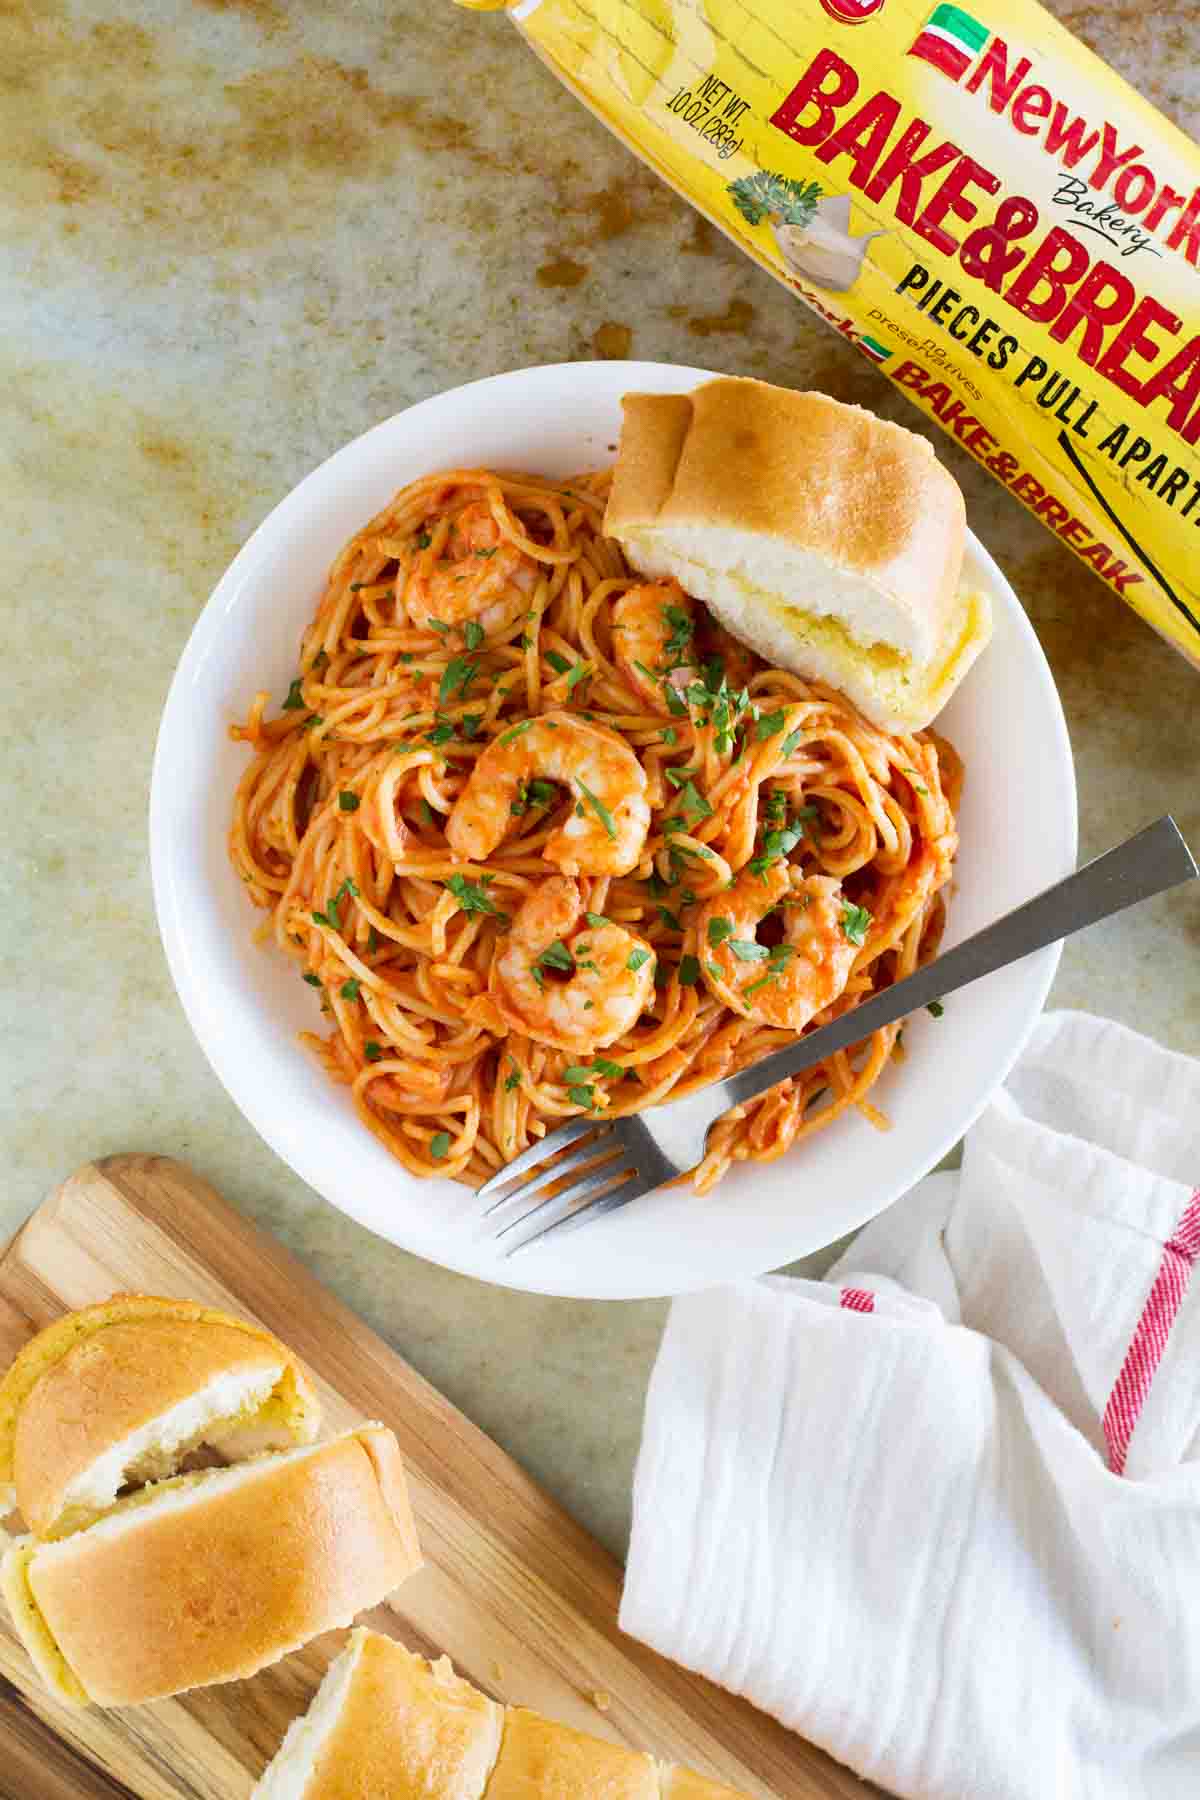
976	202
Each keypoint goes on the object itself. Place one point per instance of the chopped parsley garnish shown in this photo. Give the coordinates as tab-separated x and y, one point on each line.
577	1073
598	807
437	625
670	920
669	734
441	733
423	540
916	785
678	856
777	960
293	703
613	1070
637	960
348	802
349	989
689	971
469	724
330	915
675	704
779	839
373	941
312	980
746	950
789	743
580	672
439	1145
726	709
558	663
514	731
719	930
557	957
512	1081
485	554
681	634
372	1051
695	806
596	919
775	809
679	777
457	677
472	633
426	812
714	970
856	922
936	1008
530	795
582	1096
770	724
472	895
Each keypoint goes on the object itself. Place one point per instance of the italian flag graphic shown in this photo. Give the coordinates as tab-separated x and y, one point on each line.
950	39
875	350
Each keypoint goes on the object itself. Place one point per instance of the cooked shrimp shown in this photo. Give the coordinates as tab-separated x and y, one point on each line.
661	636
605	830
609	973
804	973
653	627
483	577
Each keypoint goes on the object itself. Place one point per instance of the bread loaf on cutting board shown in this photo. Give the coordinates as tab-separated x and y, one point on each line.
139	1581
388	1724
134	1390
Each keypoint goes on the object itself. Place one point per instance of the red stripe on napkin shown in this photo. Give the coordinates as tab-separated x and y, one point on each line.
858	1300
1150	1337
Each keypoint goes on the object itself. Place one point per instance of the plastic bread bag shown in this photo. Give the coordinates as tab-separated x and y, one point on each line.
971	197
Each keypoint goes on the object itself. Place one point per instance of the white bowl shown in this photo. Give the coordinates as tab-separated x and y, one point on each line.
246	1006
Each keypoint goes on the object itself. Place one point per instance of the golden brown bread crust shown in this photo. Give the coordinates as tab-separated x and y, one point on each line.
268	1556
407	1731
404	1730
542	1760
94	1376
798	467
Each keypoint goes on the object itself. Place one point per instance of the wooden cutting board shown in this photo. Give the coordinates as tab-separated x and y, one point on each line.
522	1599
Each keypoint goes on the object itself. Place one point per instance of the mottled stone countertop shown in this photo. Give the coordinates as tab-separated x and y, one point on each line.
234	234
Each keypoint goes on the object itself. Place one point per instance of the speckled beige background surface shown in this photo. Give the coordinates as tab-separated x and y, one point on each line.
233	234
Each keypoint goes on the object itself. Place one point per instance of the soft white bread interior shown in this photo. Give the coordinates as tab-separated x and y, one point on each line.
133	1390
387	1724
211	1576
828	540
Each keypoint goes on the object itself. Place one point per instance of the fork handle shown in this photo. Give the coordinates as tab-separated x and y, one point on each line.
1153	860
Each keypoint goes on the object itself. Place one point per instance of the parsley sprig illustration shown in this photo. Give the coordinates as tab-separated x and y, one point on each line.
765	195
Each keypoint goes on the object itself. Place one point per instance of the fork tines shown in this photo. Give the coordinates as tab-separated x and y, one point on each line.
572	1170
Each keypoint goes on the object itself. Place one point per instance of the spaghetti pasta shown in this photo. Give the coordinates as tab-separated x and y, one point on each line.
475	606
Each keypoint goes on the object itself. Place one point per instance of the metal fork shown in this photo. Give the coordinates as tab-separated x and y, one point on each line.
615	1161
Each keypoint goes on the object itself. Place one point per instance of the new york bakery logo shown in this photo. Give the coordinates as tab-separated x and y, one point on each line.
1139	213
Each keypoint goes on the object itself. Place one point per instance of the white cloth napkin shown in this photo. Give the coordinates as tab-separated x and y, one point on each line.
940	1513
